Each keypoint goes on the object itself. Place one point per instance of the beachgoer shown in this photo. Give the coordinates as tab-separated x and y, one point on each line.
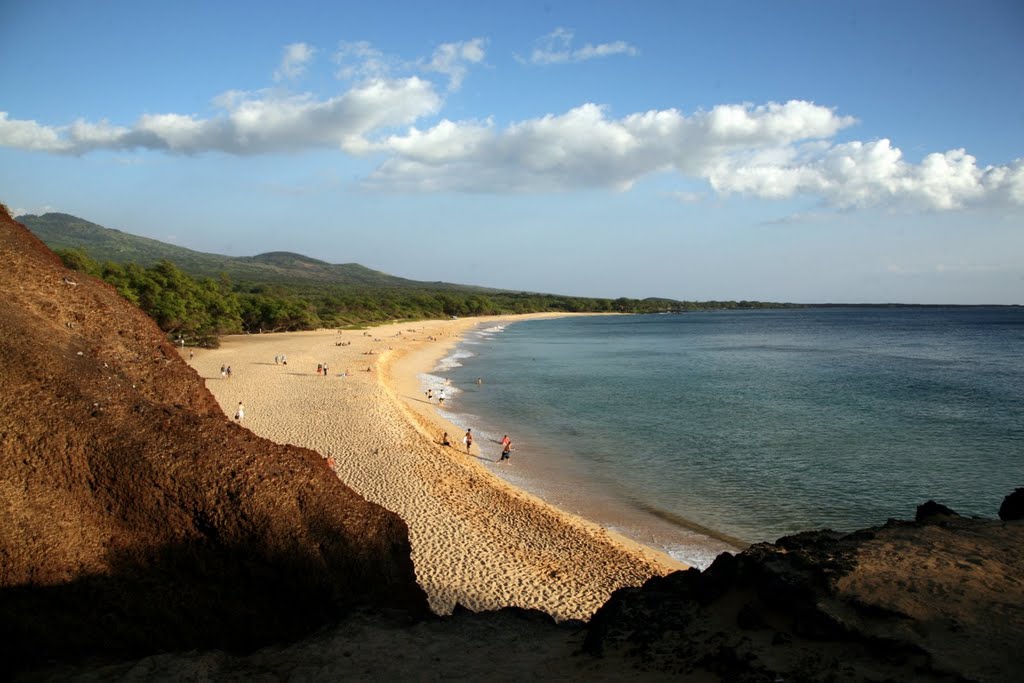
444	440
240	412
229	372
440	398
191	354
319	368
468	439
325	369
479	380
223	371
506	451
284	361
430	395
505	440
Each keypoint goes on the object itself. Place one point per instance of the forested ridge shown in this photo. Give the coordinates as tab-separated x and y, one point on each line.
197	297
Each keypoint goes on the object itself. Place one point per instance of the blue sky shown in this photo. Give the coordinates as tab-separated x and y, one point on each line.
784	151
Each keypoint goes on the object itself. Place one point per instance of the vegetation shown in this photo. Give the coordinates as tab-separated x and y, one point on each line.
198	296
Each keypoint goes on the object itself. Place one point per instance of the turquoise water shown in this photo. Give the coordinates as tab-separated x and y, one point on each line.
702	432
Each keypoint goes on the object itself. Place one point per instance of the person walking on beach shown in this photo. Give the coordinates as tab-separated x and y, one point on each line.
430	395
506	450
319	368
468	440
440	398
240	412
223	371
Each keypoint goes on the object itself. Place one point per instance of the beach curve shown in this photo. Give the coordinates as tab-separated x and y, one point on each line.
476	540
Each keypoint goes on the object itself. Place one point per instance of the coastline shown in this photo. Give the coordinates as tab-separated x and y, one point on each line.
477	540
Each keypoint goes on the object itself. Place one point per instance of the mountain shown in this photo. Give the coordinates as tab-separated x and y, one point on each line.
64	231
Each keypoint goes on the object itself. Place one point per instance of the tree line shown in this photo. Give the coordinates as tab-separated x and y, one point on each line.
199	310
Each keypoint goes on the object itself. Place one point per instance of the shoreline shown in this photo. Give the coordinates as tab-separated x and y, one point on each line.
477	540
402	373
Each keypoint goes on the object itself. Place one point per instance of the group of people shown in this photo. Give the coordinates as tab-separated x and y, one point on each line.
280	359
440	396
225	371
467	440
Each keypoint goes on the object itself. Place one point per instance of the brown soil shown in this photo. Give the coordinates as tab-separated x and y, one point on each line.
136	517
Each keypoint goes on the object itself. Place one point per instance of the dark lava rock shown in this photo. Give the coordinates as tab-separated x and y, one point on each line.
1013	506
931	509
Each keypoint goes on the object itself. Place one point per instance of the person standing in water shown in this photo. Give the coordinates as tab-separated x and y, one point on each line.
506	451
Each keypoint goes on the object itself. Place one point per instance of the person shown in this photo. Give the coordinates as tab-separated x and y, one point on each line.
229	372
430	395
479	380
319	368
325	369
191	354
240	412
440	398
223	371
468	439
444	440
284	361
505	440
506	451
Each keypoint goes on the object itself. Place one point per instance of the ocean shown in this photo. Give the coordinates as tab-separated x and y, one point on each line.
703	432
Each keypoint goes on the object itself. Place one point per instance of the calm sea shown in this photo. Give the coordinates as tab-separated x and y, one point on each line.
701	432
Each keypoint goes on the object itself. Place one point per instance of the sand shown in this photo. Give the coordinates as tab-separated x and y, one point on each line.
476	540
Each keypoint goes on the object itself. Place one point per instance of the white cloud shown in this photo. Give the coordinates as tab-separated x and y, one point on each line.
451	59
862	174
770	151
294	61
359	60
556	48
585	148
250	123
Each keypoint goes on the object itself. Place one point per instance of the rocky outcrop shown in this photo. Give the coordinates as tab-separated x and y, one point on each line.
1013	506
932	600
136	517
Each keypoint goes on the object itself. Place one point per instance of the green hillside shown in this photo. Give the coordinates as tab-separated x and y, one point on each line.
63	231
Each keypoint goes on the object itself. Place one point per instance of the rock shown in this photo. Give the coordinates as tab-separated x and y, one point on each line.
933	510
907	601
1013	506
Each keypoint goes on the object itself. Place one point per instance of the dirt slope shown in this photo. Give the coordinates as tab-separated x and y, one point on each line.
136	517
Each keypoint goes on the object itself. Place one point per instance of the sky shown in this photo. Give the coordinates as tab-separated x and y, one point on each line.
778	151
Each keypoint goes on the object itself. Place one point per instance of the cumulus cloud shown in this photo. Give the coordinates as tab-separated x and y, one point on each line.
556	48
586	148
249	123
293	63
861	174
769	151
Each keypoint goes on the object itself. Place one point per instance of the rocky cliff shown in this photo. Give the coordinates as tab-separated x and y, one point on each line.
136	517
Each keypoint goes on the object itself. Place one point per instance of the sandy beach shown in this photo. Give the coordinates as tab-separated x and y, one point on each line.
476	540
